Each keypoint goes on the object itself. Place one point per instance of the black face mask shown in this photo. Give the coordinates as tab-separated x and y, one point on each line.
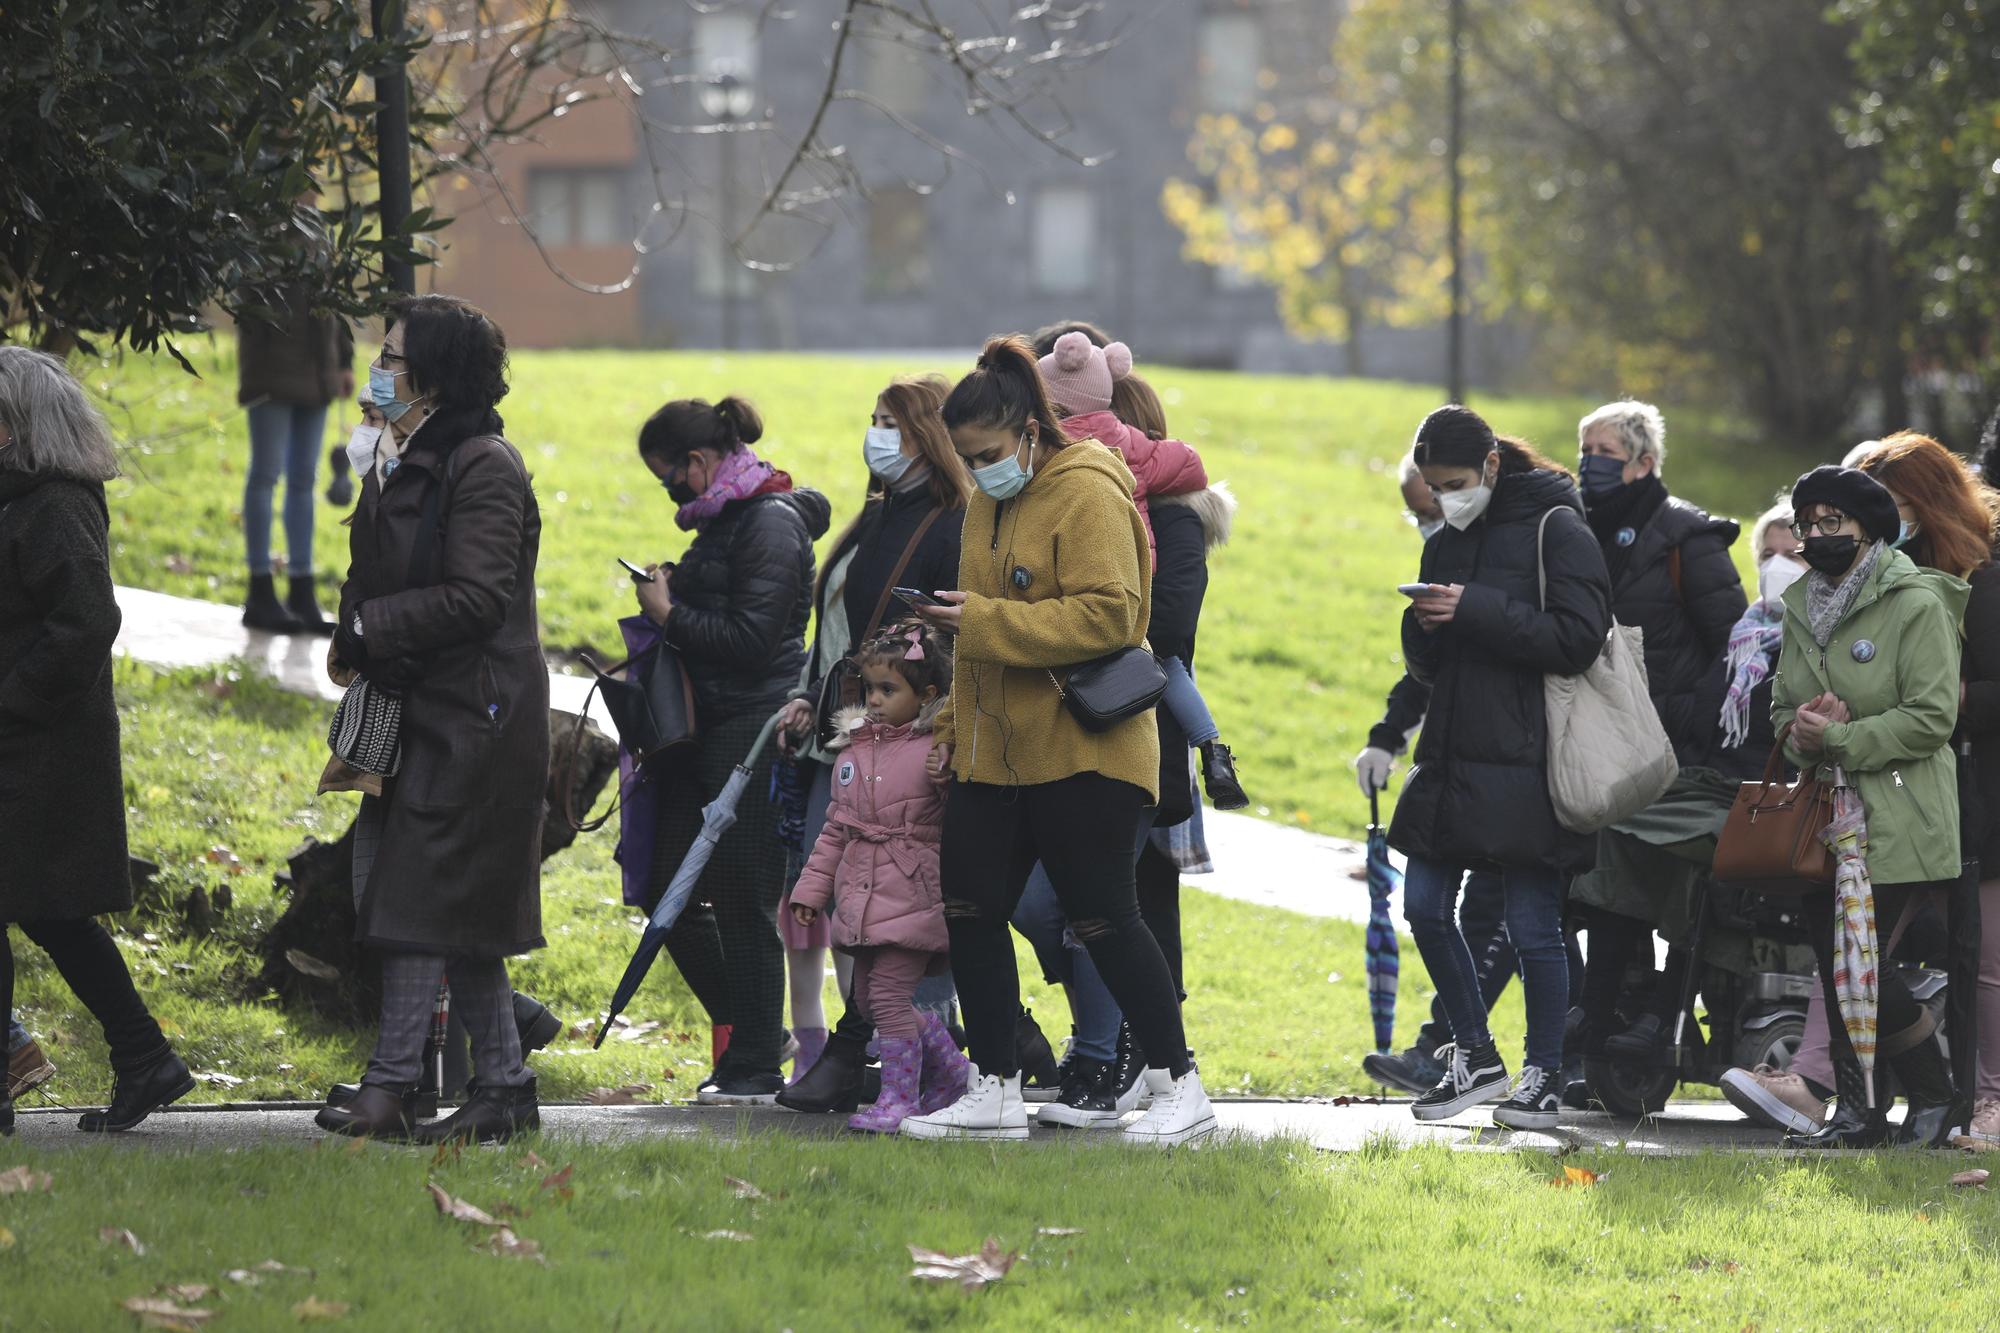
1831	556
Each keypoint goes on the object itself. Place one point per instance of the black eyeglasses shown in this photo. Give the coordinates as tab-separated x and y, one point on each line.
1826	525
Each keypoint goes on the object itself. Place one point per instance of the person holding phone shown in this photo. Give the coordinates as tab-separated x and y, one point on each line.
1483	635
906	534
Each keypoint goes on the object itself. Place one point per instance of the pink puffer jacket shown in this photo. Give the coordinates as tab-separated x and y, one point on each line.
1159	467
877	859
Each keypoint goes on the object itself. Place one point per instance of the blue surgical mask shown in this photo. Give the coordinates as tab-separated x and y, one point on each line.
1903	534
1600	477
1003	480
882	450
1428	528
382	389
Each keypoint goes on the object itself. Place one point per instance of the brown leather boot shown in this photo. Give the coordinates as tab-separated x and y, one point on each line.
376	1111
490	1115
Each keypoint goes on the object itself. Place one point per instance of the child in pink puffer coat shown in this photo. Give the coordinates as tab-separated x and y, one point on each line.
875	867
1080	376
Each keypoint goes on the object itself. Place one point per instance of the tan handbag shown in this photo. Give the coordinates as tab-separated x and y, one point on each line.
1771	841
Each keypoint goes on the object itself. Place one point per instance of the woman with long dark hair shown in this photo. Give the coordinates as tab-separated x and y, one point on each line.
1484	634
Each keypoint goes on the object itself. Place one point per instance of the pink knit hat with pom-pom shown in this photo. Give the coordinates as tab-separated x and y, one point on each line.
1079	373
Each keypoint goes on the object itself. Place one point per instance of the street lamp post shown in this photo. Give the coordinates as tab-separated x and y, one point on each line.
1455	368
727	99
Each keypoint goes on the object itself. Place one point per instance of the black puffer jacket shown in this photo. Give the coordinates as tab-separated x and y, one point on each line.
742	594
1686	631
1478	793
1979	718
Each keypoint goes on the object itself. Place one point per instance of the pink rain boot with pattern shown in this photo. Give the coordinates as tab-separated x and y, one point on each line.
946	1070
902	1067
812	1044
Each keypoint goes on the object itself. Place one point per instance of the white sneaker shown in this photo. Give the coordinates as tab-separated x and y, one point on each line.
990	1109
1180	1112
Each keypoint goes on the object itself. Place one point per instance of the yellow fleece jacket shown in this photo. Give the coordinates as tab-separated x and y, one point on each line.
1058	575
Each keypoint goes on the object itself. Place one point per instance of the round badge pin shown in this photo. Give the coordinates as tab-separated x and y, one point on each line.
1021	578
1864	650
847	773
1626	536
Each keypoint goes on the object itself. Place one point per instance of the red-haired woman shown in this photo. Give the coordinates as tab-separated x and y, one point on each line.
1948	521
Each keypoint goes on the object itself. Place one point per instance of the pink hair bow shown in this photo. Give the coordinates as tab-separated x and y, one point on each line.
916	651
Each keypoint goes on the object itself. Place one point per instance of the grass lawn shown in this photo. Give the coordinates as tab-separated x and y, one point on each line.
657	1235
220	768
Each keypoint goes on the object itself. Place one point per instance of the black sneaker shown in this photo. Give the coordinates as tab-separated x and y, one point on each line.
1470	1079
1645	1041
1218	774
728	1087
1535	1102
1098	1093
1039	1071
1415	1070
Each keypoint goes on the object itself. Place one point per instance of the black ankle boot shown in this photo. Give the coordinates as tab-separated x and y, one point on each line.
538	1027
1218	774
1854	1124
264	611
304	606
137	1093
834	1081
1035	1057
376	1111
490	1115
1926	1078
1646	1040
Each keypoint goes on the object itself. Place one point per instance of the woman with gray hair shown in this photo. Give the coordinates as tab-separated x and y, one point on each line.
62	795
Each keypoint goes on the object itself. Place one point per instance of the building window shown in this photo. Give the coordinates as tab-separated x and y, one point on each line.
579	206
1064	242
1230	56
899	251
718	271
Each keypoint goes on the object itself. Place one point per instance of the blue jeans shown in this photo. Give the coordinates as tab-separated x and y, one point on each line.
1533	910
1482	919
1065	960
1185	703
284	440
17	1036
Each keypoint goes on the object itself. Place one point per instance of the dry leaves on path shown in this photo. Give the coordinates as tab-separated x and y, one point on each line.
120	1236
460	1209
970	1271
20	1180
628	1095
312	1307
156	1313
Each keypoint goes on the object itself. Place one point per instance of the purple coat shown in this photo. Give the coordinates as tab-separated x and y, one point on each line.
876	861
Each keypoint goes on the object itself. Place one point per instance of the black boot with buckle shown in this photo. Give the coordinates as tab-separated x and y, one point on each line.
375	1111
1218	775
138	1092
1854	1123
834	1081
490	1115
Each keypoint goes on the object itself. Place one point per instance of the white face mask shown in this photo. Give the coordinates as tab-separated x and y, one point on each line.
361	447
1463	508
1779	573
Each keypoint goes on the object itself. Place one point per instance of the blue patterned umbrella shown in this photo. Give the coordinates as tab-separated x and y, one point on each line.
1384	964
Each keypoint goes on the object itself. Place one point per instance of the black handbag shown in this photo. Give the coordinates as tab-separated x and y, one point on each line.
1107	690
650	699
366	732
841	687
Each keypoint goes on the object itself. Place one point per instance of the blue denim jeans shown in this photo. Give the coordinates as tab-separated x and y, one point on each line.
1533	907
17	1036
1482	919
1064	959
284	441
1184	701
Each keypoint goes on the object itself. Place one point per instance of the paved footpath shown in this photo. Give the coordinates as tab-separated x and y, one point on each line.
1684	1129
1256	860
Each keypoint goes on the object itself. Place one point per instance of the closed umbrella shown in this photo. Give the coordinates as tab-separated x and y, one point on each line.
1855	956
1384	964
716	819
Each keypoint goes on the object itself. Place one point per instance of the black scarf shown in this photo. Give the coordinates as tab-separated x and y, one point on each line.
1629	509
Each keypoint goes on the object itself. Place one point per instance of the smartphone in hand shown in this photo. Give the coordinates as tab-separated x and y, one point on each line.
1413	589
638	572
915	597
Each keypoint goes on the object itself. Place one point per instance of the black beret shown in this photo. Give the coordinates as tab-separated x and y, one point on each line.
1855	494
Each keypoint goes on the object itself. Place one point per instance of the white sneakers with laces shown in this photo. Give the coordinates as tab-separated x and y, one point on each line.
1180	1112
990	1109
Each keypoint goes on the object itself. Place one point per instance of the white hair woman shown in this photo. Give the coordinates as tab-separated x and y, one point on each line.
62	795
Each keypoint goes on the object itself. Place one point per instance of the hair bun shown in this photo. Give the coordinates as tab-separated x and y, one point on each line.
1072	353
1118	359
741	418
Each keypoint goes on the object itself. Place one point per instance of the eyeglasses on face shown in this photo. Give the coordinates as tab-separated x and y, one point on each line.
1825	524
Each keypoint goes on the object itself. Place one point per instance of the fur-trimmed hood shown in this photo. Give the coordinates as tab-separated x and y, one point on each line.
1214	504
848	720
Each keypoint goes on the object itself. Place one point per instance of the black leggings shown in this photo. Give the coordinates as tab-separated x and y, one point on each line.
90	963
1159	884
1082	829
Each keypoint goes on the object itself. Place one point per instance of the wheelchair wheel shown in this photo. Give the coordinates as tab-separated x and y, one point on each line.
1629	1089
1774	1044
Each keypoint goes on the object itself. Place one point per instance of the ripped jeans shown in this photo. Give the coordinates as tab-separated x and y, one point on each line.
1084	829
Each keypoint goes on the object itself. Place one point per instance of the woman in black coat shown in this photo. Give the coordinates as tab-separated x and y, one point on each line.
1484	637
912	517
62	796
735	608
439	605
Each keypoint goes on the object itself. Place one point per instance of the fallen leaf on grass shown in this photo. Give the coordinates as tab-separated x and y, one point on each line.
637	1031
1576	1175
312	1307
628	1095
20	1180
507	1245
1974	1179
308	965
6	1239
273	1266
186	1292
532	1160
1058	1231
727	1235
156	1313
744	1189
460	1209
120	1236
970	1271
559	1180
220	1080
243	1277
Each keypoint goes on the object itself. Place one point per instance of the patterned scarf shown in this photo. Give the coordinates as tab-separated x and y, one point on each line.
740	475
1827	602
1753	646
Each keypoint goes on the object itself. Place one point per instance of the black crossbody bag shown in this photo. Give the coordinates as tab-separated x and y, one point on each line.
1108	690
